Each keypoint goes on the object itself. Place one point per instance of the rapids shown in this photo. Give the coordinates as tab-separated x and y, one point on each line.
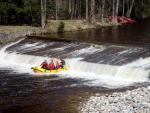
109	66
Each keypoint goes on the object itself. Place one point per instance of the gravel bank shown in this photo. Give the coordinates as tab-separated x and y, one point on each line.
9	36
134	101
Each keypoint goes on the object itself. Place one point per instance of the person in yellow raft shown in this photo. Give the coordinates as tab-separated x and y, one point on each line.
53	66
44	64
57	65
62	63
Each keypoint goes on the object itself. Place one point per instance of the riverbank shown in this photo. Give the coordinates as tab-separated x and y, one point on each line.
73	25
12	33
131	101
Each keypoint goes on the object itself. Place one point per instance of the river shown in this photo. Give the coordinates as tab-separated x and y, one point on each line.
101	60
133	34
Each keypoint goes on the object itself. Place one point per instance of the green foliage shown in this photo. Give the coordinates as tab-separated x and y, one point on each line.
138	10
61	27
3	7
142	9
20	11
29	11
32	10
63	13
51	9
146	9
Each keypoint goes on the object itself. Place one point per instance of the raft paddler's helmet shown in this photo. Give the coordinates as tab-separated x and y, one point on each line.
45	60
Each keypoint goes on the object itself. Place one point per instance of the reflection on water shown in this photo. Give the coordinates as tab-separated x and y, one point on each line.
135	33
21	93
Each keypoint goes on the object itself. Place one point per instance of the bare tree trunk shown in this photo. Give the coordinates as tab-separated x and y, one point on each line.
116	12
99	9
102	14
113	12
79	11
69	7
87	11
73	7
123	10
43	13
130	9
92	19
56	10
128	5
76	7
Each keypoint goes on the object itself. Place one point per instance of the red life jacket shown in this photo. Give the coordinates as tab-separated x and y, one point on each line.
51	66
57	65
44	64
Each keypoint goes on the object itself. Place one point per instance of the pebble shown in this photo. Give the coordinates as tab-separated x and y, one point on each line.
134	101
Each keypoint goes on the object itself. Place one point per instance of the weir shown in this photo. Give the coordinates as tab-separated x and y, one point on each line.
136	71
126	72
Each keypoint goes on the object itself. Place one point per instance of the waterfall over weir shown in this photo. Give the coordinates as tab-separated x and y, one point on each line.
78	69
95	73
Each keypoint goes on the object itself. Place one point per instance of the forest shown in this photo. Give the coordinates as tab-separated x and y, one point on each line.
32	12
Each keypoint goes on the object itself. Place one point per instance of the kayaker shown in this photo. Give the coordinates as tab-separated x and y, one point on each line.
57	65
63	63
44	64
51	65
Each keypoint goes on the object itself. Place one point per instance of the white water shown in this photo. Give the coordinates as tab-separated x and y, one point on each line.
94	74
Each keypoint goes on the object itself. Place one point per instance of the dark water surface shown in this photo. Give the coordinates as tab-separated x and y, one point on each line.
27	93
22	93
134	34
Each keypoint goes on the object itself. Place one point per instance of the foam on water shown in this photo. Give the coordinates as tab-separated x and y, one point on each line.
92	74
140	63
90	50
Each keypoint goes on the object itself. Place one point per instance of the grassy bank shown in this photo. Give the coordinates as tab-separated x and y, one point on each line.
15	28
11	33
72	25
52	26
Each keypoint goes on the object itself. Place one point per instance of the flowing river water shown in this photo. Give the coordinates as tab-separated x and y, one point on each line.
100	61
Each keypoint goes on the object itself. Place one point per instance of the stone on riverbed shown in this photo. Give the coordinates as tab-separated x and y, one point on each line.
134	101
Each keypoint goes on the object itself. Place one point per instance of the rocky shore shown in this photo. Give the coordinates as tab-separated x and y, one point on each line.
131	101
7	36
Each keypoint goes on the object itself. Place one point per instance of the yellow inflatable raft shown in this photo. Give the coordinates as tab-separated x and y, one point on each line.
39	69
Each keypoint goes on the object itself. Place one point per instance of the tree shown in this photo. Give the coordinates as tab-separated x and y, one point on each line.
92	17
43	13
69	7
102	14
73	9
79	10
51	9
35	11
123	10
56	10
146	8
130	6
115	11
87	11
